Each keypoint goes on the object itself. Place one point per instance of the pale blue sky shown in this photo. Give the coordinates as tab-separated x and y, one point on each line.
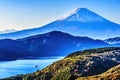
22	14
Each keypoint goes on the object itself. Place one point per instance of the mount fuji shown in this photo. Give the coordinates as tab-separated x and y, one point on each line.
80	22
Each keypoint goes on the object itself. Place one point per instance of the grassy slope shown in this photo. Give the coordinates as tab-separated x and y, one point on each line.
111	74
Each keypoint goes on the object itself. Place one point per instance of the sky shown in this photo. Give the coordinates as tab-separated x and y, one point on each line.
25	14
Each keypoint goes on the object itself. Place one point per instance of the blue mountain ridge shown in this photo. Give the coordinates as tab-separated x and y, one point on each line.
54	43
113	41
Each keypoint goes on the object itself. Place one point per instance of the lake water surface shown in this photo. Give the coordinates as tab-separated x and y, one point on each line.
12	68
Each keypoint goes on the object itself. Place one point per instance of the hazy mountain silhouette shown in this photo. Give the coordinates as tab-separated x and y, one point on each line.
57	43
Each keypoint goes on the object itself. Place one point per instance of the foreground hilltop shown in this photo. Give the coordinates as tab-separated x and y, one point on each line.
80	65
111	74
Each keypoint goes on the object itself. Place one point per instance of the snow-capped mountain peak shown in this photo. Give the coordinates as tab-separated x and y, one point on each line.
83	15
80	22
77	10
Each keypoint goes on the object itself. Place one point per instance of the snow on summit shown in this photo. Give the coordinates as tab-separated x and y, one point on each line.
83	15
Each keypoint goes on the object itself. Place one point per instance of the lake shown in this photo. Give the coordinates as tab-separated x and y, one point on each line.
12	68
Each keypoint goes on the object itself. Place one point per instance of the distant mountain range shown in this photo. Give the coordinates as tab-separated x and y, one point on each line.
57	43
80	22
113	41
54	43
